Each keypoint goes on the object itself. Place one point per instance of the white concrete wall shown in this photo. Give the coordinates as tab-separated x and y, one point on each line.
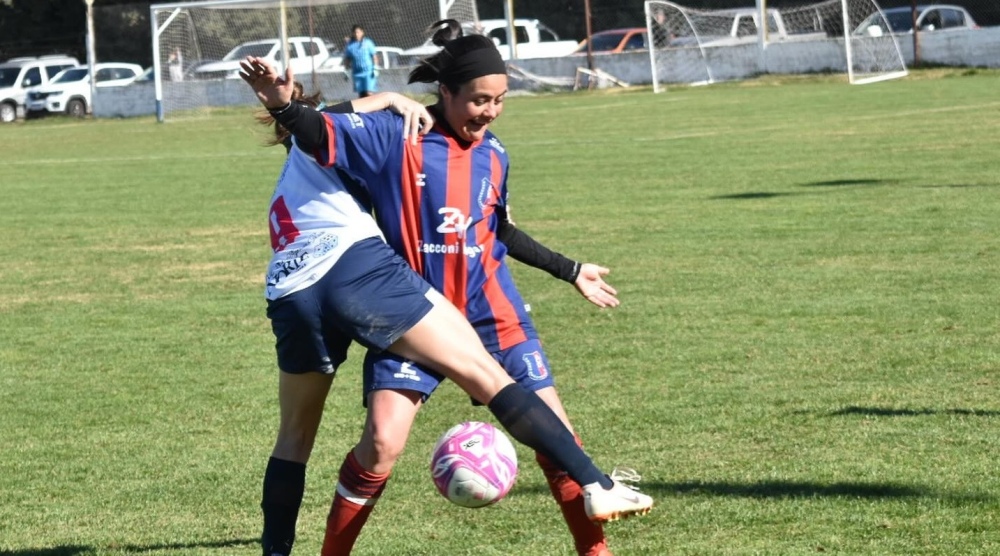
975	48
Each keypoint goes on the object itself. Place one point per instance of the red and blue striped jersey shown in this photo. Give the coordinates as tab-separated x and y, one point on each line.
436	204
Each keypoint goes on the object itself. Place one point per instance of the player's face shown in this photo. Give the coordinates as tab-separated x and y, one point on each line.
473	108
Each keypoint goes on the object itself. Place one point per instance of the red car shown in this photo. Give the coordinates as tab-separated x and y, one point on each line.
616	40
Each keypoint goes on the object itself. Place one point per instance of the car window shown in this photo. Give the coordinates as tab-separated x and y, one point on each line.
636	42
311	48
607	41
104	74
499	34
256	50
745	27
901	21
544	35
951	19
32	77
772	24
931	20
71	75
51	71
521	32
8	76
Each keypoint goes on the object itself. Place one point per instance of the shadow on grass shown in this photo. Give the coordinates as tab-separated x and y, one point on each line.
790	489
894	412
782	490
75	550
842	183
72	550
829	183
752	195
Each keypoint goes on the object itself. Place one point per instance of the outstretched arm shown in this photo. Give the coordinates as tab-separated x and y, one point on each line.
275	93
586	277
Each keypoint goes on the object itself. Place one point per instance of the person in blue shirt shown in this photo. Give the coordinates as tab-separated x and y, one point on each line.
359	60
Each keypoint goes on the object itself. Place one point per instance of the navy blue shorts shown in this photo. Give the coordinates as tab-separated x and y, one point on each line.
526	363
371	295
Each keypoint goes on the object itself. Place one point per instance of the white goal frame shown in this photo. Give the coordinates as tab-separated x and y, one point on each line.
707	48
179	14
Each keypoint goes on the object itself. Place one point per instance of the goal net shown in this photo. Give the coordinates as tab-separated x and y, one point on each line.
197	46
692	46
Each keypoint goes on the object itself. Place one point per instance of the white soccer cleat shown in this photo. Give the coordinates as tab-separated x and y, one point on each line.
621	500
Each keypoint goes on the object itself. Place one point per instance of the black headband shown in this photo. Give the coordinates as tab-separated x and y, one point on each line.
473	64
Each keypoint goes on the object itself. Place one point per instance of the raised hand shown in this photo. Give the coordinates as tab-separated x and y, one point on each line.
273	90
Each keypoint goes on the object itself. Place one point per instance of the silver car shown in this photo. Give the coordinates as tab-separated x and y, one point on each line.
930	17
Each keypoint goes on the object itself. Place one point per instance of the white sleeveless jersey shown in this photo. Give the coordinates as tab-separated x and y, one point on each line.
313	219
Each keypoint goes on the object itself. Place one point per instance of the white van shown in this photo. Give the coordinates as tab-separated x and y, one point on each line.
18	74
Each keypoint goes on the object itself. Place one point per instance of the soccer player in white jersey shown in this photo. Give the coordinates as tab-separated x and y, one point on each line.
331	280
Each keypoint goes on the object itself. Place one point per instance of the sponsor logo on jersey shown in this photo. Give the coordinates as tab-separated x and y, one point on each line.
495	143
456	248
355	120
294	260
421	180
535	364
453	221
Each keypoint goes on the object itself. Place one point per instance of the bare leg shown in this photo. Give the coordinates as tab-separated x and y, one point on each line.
458	354
301	398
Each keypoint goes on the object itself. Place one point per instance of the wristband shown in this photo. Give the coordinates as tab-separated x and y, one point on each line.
279	111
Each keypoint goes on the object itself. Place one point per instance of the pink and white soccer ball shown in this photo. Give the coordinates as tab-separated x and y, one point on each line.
473	464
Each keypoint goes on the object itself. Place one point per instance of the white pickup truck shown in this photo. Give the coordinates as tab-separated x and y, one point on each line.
533	39
739	26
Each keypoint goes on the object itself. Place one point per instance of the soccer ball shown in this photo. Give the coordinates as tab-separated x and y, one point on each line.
473	464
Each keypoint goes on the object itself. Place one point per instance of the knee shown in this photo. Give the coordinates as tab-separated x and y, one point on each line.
294	444
379	449
386	445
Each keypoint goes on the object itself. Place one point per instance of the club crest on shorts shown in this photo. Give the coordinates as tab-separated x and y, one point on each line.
535	364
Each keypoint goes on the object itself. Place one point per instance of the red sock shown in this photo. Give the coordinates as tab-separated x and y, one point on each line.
588	537
357	492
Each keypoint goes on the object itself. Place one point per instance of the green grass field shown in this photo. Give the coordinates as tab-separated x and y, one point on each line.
806	360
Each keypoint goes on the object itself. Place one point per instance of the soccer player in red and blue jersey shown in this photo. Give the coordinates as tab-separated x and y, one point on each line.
442	205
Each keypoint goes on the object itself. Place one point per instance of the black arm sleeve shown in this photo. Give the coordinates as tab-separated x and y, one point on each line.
527	250
307	125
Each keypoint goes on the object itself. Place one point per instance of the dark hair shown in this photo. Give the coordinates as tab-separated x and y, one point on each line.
455	44
281	135
356	27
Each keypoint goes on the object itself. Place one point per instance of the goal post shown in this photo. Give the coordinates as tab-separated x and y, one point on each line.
694	46
195	55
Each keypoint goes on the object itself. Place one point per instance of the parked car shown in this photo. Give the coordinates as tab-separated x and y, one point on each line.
616	40
930	17
386	57
533	38
17	75
69	90
304	53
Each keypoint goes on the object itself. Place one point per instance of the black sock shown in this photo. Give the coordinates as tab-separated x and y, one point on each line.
534	424
284	484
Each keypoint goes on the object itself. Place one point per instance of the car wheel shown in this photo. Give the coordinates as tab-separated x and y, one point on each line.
8	112
76	108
